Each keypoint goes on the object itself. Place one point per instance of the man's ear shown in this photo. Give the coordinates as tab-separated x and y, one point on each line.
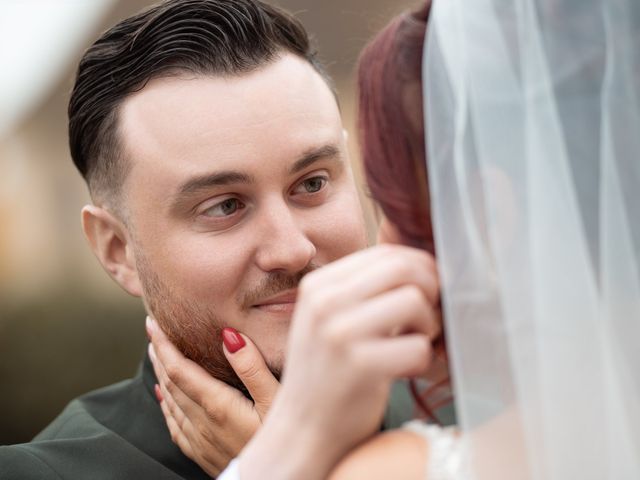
111	244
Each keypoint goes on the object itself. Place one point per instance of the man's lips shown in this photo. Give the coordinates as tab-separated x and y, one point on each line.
283	302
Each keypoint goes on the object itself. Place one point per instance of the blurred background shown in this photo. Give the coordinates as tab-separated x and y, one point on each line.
65	327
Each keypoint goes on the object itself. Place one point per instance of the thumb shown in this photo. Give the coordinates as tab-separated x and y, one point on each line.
248	363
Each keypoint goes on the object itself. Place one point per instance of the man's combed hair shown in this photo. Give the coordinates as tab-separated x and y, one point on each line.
202	37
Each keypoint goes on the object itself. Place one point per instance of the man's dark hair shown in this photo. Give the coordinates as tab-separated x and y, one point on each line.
203	37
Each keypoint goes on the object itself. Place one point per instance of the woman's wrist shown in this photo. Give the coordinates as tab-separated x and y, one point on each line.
287	447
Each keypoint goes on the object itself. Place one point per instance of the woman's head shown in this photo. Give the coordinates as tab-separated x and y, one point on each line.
392	127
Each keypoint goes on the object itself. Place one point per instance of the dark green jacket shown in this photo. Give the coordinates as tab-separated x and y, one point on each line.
117	432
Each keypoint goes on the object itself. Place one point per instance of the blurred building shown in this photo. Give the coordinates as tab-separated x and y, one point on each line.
64	326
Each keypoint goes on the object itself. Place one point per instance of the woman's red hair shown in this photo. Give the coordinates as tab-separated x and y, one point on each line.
392	127
392	138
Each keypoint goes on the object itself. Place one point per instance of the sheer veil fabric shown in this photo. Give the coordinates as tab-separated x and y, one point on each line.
533	140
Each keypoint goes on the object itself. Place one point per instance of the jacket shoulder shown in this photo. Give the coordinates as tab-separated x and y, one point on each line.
19	462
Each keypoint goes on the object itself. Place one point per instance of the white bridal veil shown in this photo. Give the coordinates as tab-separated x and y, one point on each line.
533	137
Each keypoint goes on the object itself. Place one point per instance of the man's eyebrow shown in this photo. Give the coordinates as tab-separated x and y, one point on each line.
311	156
207	181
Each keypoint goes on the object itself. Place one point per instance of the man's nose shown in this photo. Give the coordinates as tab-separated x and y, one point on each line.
284	245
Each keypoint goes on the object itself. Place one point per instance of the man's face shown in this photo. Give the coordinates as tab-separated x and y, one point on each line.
238	187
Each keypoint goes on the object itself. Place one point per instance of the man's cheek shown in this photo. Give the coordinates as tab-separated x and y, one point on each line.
199	271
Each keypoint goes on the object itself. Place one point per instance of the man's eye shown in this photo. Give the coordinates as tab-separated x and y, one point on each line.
311	185
225	208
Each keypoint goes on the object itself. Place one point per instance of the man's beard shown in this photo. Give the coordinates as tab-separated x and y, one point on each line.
195	329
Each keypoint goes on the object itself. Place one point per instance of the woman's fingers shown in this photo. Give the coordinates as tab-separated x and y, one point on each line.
396	267
397	357
351	280
209	460
177	435
254	373
399	311
174	398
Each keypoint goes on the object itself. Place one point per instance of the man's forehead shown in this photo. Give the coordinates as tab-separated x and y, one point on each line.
189	120
287	87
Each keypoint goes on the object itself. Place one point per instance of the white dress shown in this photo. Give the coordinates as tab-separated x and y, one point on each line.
446	459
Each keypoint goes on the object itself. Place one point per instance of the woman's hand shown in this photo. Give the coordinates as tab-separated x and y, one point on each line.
210	421
359	323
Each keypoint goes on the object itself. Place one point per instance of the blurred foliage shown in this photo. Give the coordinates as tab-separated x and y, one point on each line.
58	347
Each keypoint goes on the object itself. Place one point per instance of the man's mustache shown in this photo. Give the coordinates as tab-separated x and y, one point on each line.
273	284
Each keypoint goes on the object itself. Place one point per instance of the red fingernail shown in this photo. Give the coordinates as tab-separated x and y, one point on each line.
232	339
156	389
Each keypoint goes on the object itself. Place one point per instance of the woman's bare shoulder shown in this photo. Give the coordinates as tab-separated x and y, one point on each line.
386	456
